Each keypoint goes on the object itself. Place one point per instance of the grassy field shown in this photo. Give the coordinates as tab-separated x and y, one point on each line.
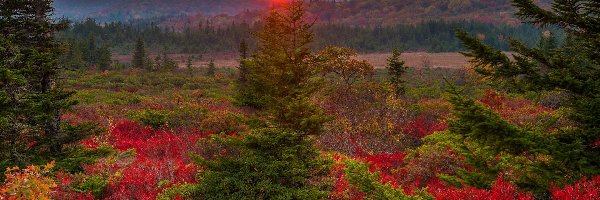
413	59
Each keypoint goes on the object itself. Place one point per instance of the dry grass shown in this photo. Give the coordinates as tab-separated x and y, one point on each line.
413	59
420	59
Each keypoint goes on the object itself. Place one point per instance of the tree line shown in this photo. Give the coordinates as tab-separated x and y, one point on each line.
431	36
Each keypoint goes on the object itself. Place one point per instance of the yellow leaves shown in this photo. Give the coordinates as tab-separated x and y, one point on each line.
341	62
29	183
473	76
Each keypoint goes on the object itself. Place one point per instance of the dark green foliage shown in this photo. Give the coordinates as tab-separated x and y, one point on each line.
139	56
266	164
548	42
31	100
104	60
189	65
244	96
167	63
73	58
94	184
432	36
87	53
360	177
396	69
283	73
211	68
243	50
491	145
573	69
152	118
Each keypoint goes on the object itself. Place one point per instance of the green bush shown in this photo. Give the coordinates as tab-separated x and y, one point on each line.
264	164
94	184
223	122
107	97
153	118
187	117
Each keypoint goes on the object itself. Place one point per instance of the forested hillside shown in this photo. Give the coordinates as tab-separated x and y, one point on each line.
354	12
432	36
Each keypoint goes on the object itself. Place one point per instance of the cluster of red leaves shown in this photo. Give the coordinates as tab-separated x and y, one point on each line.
385	164
64	180
582	190
161	160
342	189
161	156
516	111
422	126
501	190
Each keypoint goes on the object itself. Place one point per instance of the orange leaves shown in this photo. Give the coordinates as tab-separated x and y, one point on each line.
341	62
29	183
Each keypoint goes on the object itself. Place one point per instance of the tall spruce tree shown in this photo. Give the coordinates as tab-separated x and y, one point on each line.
167	64
74	58
139	55
244	94
189	65
283	73
104	58
274	163
243	68
211	68
91	50
31	130
396	70
573	69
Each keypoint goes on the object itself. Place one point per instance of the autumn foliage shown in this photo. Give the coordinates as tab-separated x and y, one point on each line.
32	182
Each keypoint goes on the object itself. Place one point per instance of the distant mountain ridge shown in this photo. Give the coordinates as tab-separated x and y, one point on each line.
125	10
356	12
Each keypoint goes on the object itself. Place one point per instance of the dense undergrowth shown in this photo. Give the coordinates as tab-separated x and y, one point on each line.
378	142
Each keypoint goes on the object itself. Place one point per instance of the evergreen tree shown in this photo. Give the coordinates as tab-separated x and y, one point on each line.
279	163
104	58
265	164
243	50
211	69
491	146
572	69
244	94
168	64
31	101
396	70
157	63
282	76
74	58
243	68
139	55
548	42
189	65
91	50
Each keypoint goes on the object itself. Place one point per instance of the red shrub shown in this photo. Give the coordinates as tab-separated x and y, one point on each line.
386	164
161	161
501	190
422	126
582	190
62	191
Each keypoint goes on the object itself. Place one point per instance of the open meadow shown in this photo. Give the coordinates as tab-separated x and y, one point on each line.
378	60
